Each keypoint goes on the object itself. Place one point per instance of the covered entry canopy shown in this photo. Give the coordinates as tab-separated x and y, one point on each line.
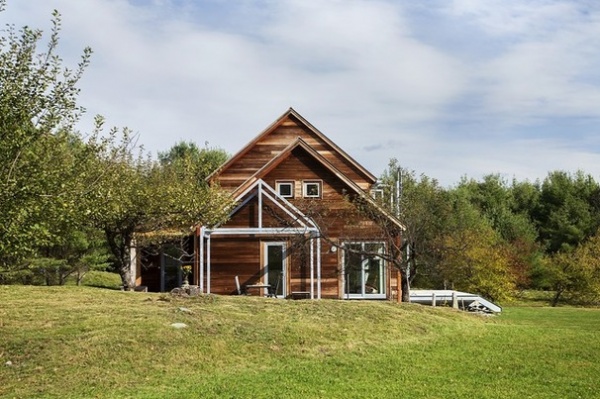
295	223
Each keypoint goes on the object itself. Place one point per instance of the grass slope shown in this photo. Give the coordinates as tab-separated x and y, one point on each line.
82	342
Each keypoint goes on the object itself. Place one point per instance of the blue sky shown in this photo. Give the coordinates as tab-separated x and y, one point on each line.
450	88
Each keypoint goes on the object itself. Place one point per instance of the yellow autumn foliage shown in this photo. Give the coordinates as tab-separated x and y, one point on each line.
477	261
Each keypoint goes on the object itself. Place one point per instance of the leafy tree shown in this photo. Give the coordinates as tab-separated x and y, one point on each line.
568	211
494	198
207	160
449	241
473	256
476	261
423	208
525	197
53	185
136	195
576	274
37	111
79	252
504	207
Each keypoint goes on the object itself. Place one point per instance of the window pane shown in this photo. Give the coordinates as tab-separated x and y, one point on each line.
312	189
373	275
364	269
353	268
285	190
275	267
374	282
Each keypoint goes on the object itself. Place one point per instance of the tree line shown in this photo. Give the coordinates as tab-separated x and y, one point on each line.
497	237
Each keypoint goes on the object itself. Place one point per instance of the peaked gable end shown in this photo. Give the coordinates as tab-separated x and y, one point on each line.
278	137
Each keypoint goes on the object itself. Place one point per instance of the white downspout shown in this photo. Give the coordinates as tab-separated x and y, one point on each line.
133	263
208	264
260	224
319	267
312	268
201	263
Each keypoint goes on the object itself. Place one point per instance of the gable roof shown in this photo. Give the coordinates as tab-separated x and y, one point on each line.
300	143
292	114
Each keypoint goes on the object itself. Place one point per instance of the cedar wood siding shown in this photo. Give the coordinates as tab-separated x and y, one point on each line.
273	142
231	256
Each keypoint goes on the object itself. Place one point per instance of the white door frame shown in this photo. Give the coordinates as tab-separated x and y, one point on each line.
265	260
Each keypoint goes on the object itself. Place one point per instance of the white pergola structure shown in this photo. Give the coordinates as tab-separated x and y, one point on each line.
301	225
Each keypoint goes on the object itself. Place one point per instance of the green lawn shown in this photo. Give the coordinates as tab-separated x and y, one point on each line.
83	342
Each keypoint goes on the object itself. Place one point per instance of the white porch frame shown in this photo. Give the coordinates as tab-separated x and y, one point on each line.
304	226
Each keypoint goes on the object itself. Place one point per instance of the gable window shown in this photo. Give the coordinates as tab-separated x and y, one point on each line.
311	189
285	189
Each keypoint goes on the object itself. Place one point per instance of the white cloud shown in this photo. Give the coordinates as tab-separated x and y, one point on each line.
547	53
457	87
515	18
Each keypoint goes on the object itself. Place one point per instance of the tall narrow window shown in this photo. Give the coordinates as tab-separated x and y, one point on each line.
311	189
285	189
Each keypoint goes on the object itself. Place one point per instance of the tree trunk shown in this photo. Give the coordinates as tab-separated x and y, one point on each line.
119	243
81	272
125	272
556	298
405	288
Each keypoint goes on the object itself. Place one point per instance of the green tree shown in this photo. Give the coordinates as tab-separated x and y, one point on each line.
494	198
37	111
136	195
422	207
568	211
79	252
505	208
576	274
473	255
206	160
53	184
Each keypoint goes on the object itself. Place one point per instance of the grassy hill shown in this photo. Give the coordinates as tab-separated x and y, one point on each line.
82	342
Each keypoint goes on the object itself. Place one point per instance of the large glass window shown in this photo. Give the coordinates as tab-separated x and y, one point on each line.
364	270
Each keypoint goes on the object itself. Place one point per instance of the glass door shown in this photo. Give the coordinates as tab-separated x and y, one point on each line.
364	270
353	268
275	267
170	273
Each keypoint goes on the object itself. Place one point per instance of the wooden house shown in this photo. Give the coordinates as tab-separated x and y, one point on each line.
304	225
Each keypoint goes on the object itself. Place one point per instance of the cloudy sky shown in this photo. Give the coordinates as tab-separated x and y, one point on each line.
450	88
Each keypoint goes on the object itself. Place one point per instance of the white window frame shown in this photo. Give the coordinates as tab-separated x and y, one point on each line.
377	194
289	183
283	276
383	282
305	185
